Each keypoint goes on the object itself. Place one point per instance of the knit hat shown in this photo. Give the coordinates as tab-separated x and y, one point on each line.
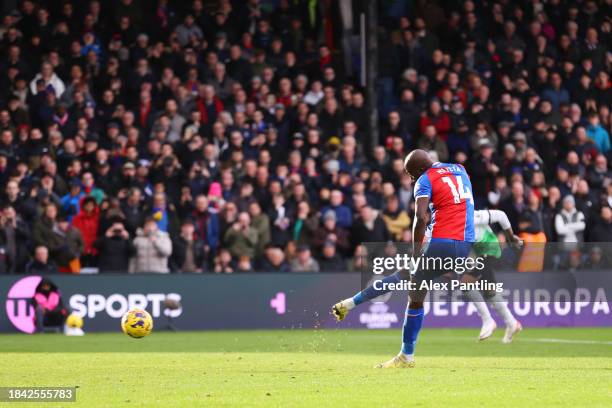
329	215
214	190
569	198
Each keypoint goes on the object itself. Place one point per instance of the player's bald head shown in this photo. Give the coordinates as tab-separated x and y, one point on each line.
417	162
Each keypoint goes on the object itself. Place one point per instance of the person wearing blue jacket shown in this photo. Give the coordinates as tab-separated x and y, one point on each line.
599	135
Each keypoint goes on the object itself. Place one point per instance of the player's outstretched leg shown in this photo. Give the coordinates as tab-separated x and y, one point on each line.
342	308
513	326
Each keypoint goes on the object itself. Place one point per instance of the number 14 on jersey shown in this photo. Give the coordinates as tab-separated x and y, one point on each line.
458	190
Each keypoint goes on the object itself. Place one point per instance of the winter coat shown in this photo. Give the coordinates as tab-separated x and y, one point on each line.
44	233
55	82
179	253
207	228
304	231
570	226
342	239
70	204
73	246
344	215
21	243
376	232
151	256
600	137
114	254
88	225
241	243
261	224
396	223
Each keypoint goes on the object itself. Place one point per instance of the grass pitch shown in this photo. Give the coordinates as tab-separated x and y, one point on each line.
544	367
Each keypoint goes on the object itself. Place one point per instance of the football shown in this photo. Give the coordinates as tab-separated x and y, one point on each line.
137	323
74	321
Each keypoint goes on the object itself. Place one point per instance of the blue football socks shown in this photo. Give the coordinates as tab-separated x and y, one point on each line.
412	326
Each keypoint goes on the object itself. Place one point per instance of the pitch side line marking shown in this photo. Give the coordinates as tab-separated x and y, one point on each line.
568	341
547	340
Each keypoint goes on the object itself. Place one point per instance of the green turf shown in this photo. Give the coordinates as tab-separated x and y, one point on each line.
544	367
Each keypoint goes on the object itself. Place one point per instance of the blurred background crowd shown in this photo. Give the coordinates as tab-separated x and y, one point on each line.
229	136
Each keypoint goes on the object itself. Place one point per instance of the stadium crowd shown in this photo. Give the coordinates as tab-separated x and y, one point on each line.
227	136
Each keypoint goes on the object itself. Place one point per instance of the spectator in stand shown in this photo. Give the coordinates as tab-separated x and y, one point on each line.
206	225
514	205
483	136
550	208
569	222
369	227
530	219
598	134
483	169
153	248
329	231
44	232
131	207
87	222
188	255
556	93
223	262
25	206
164	214
50	81
306	224
89	187
437	118
430	141
41	265
304	262
70	202
261	223
599	173
344	217
241	238
70	253
280	216
601	231
330	261
115	249
396	219
15	239
274	260
188	31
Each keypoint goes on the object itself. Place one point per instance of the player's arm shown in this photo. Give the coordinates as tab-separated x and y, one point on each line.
421	219
500	217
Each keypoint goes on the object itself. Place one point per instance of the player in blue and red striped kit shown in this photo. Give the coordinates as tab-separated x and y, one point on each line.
444	213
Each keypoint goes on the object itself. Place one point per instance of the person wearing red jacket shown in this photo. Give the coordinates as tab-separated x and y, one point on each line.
438	119
87	221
